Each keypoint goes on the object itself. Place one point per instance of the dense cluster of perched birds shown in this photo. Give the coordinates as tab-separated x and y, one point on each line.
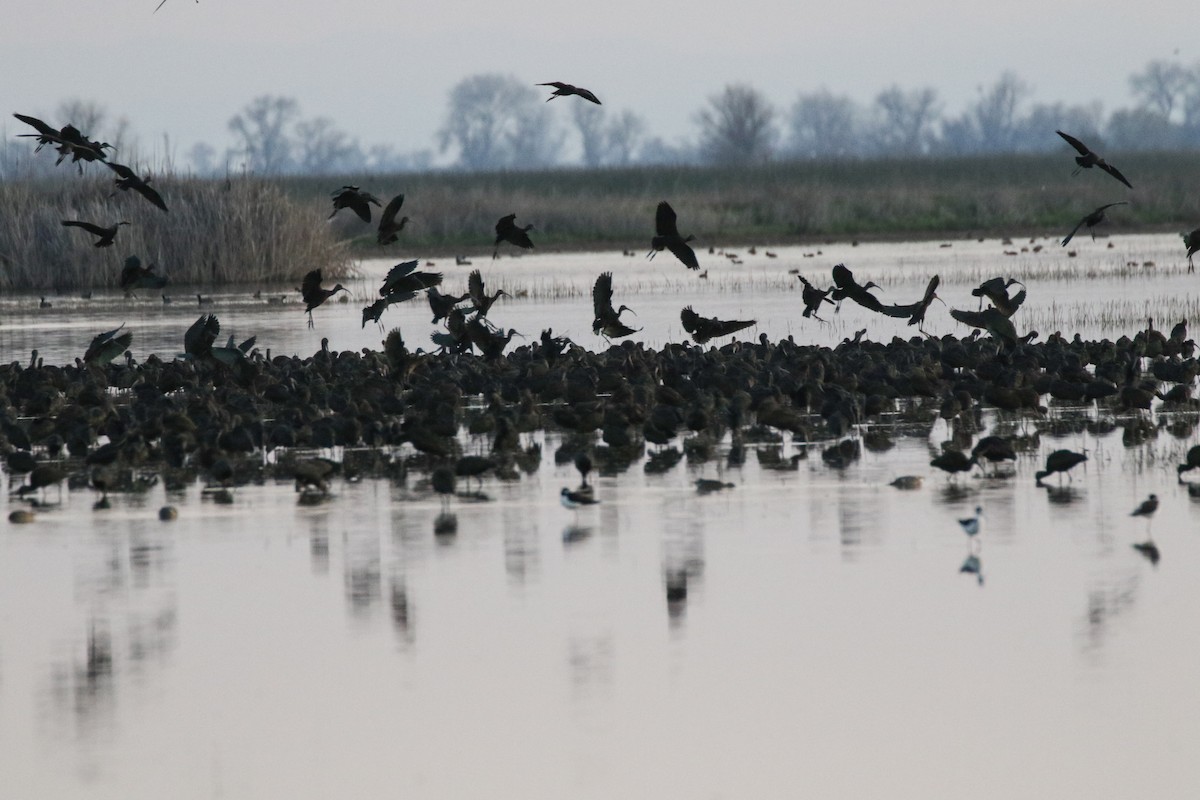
219	408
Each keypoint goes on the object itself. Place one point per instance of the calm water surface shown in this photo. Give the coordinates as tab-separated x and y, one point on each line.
829	646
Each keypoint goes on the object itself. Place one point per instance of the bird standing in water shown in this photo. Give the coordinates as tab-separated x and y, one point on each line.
972	525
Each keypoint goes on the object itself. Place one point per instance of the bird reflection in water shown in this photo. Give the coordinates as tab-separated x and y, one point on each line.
973	565
677	592
574	534
401	614
1063	495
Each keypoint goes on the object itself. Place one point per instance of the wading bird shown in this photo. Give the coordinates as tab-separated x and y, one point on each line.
813	297
607	322
996	290
1092	220
389	226
356	200
128	179
310	289
565	90
480	298
846	287
105	235
972	525
442	304
916	311
507	230
667	237
1062	462
1192	242
703	329
404	277
135	276
576	499
1087	159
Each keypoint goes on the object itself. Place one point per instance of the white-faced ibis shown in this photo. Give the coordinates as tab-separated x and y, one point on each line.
703	329
474	467
1192	242
996	290
994	449
813	297
313	294
135	276
105	236
507	230
953	461
1062	462
566	90
479	297
667	237
389	226
442	304
356	200
404	277
846	287
40	477
607	322
991	320
1092	219
916	311
1087	159
200	336
107	346
127	179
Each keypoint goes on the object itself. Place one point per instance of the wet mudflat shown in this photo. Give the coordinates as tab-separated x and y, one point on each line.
827	641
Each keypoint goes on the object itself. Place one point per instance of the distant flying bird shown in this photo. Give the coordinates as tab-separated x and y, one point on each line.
607	322
1192	242
389	227
1092	220
135	276
356	200
106	235
1087	159
507	230
565	89
128	179
107	346
813	297
667	237
703	329
314	295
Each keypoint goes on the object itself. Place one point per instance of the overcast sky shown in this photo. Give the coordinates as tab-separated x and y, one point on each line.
382	70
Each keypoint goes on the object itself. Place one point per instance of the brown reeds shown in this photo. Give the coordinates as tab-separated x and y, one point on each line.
240	230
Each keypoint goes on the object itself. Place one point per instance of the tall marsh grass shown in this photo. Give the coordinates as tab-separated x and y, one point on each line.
242	230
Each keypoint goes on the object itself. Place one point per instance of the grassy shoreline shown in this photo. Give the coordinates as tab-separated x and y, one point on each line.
264	231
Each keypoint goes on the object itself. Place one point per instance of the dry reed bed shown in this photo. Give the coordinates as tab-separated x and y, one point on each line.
217	232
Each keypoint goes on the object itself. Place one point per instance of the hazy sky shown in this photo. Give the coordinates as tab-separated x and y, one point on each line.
382	70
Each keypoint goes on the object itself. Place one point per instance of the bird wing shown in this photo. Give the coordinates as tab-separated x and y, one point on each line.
122	170
587	95
310	287
843	277
664	220
87	226
690	319
390	211
396	273
198	340
602	294
556	84
475	287
505	224
360	204
684	252
147	191
1116	173
1078	145
37	124
1074	230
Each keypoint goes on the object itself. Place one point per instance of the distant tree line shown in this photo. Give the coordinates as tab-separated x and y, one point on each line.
495	122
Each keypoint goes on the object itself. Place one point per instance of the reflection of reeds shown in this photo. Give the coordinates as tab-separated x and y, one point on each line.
237	231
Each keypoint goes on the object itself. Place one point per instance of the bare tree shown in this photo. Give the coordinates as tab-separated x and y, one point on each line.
323	149
261	128
996	113
1160	86
737	127
607	142
203	157
905	120
824	126
495	121
1035	132
625	135
86	115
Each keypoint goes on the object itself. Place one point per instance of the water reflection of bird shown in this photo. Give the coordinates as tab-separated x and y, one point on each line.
565	90
666	236
1062	462
105	235
507	230
973	565
312	293
1087	159
1149	550
1092	219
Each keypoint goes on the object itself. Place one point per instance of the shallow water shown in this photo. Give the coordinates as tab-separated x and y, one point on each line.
828	645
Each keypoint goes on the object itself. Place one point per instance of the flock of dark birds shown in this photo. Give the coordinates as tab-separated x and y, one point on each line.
216	410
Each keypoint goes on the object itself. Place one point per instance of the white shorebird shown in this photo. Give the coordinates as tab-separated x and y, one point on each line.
575	500
972	525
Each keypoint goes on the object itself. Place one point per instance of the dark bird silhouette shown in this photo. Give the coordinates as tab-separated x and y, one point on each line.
404	278
994	449
46	134
442	304
1190	462
703	329
127	179
1192	242
481	299
607	322
507	230
199	339
105	235
389	226
1146	508
916	311
1092	220
1087	159
1062	462
68	141
373	312
813	297
667	237
135	276
356	200
314	295
953	461
565	90
574	500
846	287
991	320
107	346
996	290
